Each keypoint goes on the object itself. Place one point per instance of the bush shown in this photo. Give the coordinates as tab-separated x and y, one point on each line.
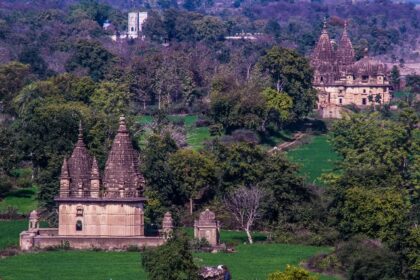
202	123
245	135
292	273
366	259
5	186
171	261
216	129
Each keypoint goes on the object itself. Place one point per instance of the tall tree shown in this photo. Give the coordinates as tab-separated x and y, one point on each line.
194	172
291	74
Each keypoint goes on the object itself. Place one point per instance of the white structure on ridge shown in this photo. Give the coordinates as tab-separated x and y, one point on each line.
135	26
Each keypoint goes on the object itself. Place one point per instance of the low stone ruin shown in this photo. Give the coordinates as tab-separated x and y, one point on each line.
211	273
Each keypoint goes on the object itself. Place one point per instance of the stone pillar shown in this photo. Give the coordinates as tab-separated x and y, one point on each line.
167	226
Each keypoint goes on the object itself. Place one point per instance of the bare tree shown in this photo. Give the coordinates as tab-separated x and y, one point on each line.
244	204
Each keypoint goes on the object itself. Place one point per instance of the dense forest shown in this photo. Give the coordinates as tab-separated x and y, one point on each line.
58	66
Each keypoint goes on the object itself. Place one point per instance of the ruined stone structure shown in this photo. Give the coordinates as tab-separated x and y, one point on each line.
98	211
207	227
340	80
135	26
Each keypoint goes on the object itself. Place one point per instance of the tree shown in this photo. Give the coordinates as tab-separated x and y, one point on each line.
111	98
210	28
395	78
13	77
194	172
291	74
171	261
378	213
292	273
91	55
278	102
244	204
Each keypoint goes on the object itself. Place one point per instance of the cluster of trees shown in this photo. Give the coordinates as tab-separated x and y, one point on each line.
376	194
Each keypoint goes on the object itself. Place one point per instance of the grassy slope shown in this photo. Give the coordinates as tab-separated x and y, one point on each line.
24	200
9	233
250	262
195	137
315	158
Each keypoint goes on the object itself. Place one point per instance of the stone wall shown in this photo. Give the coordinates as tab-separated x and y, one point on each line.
104	243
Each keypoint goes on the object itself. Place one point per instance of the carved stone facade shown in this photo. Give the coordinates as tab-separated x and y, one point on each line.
207	227
340	80
98	211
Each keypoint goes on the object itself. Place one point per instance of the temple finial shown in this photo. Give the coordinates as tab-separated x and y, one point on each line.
80	136
324	28
122	119
123	126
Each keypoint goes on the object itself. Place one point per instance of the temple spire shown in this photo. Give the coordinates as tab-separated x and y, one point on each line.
94	173
64	170
345	52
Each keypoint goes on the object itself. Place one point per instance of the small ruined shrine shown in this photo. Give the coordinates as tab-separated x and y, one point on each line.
94	210
208	228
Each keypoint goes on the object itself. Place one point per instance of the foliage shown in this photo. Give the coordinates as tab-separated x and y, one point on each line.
291	74
378	152
13	77
378	213
365	259
194	173
292	273
90	55
172	261
278	101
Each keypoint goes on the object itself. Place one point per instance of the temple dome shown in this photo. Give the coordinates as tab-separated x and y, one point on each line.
367	67
122	167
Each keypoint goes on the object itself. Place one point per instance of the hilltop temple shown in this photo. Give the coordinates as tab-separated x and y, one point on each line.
98	211
341	80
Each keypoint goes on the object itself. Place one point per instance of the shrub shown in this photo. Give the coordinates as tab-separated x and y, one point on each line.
171	261
366	259
202	123
292	273
216	129
245	135
5	186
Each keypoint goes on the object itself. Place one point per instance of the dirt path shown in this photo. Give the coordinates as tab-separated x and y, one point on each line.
296	137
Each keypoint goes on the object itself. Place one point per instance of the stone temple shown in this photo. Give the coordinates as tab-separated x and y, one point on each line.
341	80
98	210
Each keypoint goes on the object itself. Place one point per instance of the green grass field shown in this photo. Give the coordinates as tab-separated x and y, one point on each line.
196	136
24	200
9	233
315	158
248	263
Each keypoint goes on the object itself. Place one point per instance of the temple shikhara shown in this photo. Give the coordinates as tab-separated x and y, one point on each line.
341	80
98	210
